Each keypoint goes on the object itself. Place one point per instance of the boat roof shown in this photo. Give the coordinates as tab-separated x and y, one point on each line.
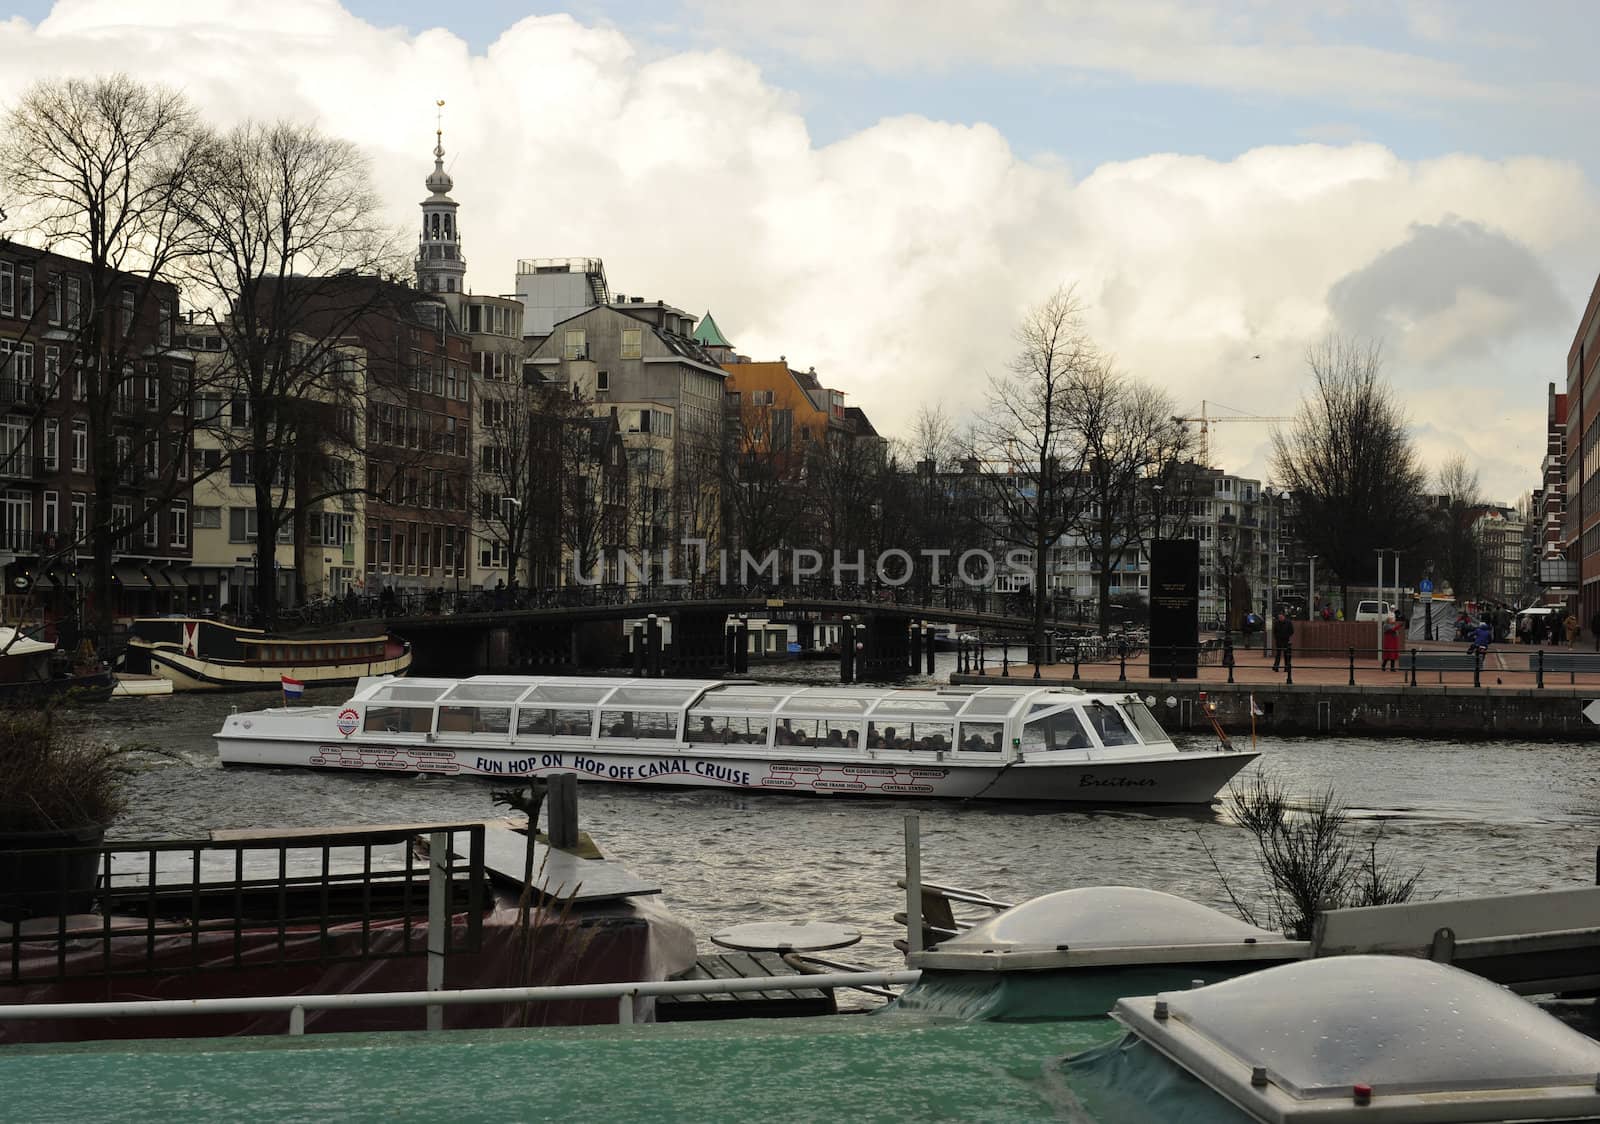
14	643
783	699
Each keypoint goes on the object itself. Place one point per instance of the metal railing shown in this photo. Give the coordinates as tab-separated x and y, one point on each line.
296	1006
203	905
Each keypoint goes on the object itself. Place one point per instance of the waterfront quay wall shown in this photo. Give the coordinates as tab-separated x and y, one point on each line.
1377	710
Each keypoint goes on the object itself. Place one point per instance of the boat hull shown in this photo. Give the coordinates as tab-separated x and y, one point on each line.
190	673
1187	778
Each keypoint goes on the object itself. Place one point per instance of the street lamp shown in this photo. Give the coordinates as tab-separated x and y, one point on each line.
1159	490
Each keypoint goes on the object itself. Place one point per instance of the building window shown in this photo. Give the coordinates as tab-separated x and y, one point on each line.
180	523
80	445
8	289
128	299
632	343
208	518
52	371
602	382
152	386
577	344
152	457
52	300
25	291
52	513
241	524
74	303
52	444
80	515
152	524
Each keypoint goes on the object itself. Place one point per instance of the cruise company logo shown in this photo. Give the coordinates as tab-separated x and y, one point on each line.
348	721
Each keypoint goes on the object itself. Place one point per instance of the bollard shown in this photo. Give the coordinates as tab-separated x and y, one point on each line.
1122	666
1005	656
847	651
1539	672
1227	654
638	650
1413	667
1352	667
914	663
1477	667
1288	665
1077	650
928	648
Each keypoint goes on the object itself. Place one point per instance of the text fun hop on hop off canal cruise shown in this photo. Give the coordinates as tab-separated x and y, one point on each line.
996	743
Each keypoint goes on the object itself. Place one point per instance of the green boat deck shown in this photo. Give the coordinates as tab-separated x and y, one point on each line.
880	1067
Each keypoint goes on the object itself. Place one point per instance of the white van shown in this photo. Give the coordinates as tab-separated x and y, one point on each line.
1372	611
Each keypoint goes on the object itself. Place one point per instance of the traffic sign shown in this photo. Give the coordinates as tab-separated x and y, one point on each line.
1425	588
1592	712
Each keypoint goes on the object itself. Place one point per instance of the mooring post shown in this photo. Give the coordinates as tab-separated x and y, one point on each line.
1413	666
1122	665
927	648
638	651
1352	667
744	643
1005	655
847	650
1477	668
1227	654
1288	664
562	819
438	918
914	883
1077	650
1539	669
915	662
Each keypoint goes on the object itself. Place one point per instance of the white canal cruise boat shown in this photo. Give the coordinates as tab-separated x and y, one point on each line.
998	743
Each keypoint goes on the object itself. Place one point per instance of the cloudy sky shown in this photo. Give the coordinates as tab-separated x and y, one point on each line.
878	188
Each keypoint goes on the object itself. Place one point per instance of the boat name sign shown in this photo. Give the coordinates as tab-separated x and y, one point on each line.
613	771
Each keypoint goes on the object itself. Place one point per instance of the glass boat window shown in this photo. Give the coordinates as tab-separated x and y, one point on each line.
1149	729
638	724
823	704
982	737
999	705
893	734
650	696
725	729
486	692
731	701
824	733
1061	730
555	722
398	719
566	693
474	719
407	692
916	708
1110	725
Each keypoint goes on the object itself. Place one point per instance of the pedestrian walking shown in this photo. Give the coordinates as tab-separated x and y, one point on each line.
1573	628
1282	637
1391	645
1525	628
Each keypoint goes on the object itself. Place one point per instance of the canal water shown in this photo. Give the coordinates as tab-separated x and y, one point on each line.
1474	817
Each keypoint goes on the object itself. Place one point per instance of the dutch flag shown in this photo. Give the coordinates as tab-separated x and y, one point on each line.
292	688
1255	711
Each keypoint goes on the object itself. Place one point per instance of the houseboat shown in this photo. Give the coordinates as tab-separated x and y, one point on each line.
206	655
994	743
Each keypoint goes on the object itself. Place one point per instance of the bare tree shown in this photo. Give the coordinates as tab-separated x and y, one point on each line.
1459	549
288	216
1024	437
100	170
1128	439
1350	462
761	486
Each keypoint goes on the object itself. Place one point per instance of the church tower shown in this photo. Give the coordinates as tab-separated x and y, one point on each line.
440	266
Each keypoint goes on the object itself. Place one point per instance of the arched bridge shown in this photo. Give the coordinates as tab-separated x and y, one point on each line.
577	627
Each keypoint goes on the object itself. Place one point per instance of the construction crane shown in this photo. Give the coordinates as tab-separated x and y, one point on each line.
1206	421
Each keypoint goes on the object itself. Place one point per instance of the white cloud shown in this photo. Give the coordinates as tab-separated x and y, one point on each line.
897	258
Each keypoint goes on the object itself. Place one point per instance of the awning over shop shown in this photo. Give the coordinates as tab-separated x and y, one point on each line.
44	579
130	576
163	579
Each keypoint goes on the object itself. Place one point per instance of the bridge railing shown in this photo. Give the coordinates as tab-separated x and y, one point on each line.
447	600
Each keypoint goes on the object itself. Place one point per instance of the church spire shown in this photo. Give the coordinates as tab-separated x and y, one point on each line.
440	266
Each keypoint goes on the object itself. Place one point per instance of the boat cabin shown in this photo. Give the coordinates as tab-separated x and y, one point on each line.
968	721
275	651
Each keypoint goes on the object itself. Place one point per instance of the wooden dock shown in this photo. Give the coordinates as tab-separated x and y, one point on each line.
774	1004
